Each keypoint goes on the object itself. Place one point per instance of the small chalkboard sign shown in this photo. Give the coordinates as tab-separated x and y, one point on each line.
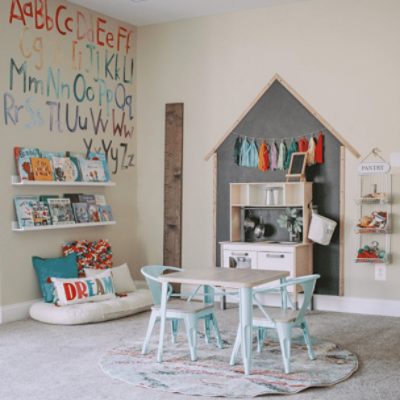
297	166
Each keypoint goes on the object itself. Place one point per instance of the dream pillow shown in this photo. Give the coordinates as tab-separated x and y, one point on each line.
46	268
83	290
123	282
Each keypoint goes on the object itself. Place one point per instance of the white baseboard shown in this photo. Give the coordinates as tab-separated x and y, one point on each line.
354	305
15	312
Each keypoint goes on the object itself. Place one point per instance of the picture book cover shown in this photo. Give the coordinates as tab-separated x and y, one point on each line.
81	212
93	211
101	157
92	171
24	210
100	199
42	169
66	170
73	170
105	213
23	157
50	154
61	211
45	197
87	198
41	214
73	197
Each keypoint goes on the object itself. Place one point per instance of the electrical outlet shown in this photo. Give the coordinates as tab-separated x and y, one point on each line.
380	272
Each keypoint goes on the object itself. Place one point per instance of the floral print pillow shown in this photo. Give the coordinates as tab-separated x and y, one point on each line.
96	254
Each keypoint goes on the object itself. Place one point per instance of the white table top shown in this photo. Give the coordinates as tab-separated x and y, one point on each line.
224	277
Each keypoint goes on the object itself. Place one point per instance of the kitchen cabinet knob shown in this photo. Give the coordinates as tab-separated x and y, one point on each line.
239	254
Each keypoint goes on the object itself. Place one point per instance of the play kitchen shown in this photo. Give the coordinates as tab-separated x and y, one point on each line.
270	227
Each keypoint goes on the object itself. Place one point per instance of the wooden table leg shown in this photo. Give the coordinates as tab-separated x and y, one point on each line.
246	327
163	312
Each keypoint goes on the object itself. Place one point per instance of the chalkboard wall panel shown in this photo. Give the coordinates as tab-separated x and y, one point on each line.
280	115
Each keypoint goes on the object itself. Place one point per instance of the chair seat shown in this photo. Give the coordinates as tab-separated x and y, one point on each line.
276	314
185	307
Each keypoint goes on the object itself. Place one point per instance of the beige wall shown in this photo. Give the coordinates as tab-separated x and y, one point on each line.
342	56
18	282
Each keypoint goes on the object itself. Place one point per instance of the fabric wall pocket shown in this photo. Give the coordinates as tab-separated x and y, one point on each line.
321	229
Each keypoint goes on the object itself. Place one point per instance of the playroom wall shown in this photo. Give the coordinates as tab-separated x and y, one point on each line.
42	49
342	56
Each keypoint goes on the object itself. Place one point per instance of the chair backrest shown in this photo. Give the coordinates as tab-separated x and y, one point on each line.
306	282
151	274
308	285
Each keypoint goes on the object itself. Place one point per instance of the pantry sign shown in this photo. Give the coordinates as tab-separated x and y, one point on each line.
372	168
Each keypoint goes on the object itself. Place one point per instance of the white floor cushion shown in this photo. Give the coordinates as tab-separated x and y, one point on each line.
137	301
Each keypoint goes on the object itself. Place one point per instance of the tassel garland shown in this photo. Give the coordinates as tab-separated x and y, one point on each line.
275	155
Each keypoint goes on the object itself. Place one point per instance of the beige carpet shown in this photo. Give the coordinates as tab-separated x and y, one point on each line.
40	362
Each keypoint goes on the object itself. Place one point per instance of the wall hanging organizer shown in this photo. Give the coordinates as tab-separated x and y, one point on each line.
374	225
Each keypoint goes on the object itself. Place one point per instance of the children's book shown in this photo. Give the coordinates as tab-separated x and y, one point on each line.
100	199
87	198
73	197
66	170
61	211
81	212
45	197
92	171
24	210
93	211
42	169
41	214
23	157
105	213
102	157
72	170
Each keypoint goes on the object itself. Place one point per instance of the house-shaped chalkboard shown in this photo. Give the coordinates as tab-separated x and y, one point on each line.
280	112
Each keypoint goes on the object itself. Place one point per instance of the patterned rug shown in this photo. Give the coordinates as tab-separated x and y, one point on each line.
211	374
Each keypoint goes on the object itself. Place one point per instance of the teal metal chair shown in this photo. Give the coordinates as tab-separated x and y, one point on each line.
180	310
283	320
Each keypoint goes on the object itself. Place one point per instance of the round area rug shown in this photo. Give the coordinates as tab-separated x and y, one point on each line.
211	374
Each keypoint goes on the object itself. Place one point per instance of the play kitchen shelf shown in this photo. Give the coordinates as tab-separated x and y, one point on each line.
269	195
375	211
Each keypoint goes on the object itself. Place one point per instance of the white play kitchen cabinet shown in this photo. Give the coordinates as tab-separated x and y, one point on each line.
247	250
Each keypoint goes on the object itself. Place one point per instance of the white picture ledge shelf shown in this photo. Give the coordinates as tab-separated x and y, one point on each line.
15	227
16	181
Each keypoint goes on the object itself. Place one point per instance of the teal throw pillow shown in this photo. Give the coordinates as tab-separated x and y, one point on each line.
46	268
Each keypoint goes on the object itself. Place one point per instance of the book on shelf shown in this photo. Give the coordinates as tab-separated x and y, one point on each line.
101	157
92	171
100	199
73	197
41	214
105	213
61	211
81	212
45	197
22	156
66	170
42	169
24	210
93	211
87	198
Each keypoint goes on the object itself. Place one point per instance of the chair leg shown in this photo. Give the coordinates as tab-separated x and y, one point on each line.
285	339
220	343
306	334
261	333
150	327
207	329
236	348
191	332
174	329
